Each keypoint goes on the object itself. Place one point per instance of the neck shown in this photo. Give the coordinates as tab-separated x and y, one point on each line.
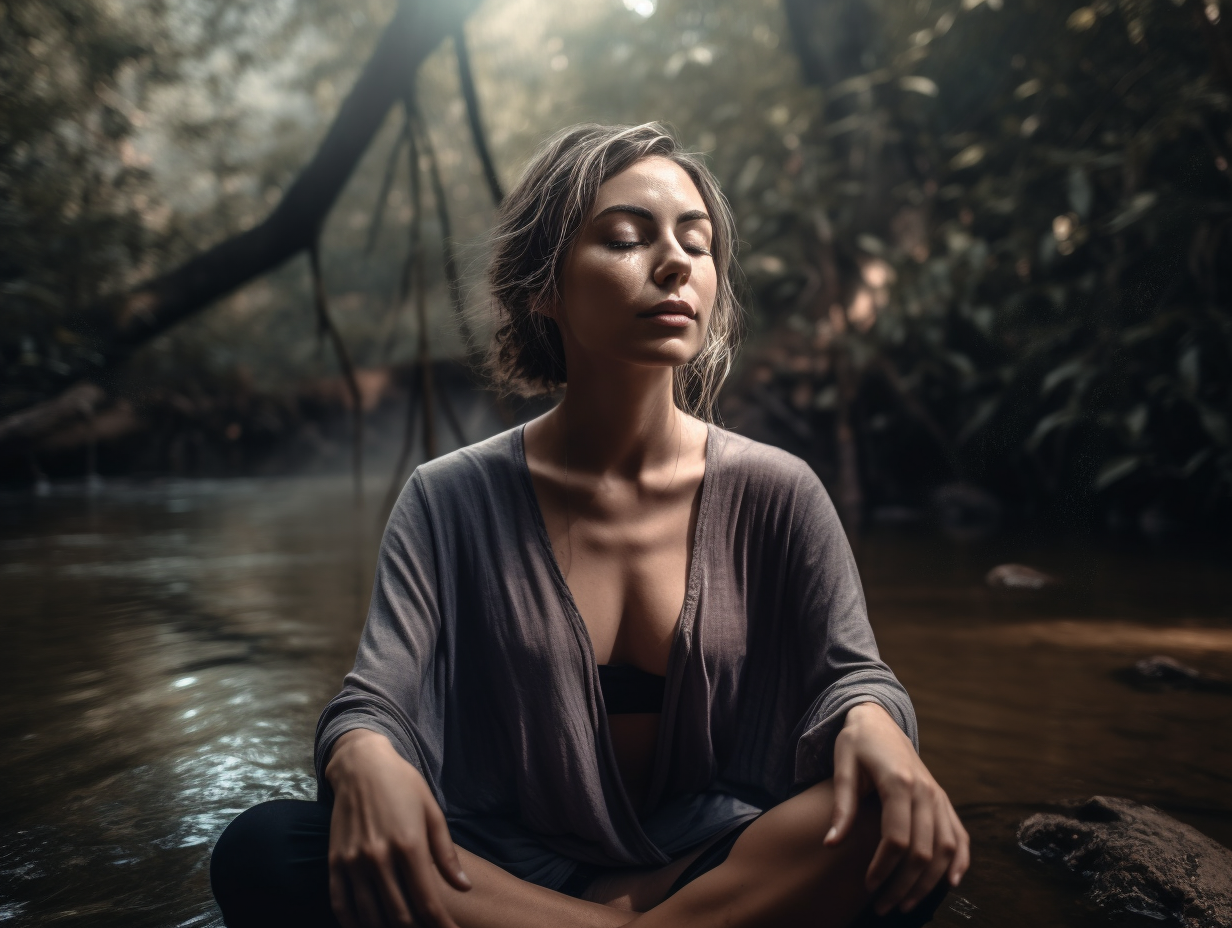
621	420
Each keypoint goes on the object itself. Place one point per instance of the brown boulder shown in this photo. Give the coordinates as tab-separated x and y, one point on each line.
1138	860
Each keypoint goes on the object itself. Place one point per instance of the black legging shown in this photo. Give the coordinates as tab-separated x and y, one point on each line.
270	869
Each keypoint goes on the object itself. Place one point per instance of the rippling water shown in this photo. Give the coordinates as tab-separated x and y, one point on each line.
169	651
170	647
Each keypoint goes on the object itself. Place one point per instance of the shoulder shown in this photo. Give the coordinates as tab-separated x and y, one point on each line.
463	485
754	464
780	501
496	458
769	487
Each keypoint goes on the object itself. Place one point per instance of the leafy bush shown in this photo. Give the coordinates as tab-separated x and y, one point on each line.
1015	228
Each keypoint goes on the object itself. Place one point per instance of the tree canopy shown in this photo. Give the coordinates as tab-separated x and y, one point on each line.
986	241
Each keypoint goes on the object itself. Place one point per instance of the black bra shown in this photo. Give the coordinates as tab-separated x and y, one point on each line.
628	689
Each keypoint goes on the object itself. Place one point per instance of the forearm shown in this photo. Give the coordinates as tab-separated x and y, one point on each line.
355	747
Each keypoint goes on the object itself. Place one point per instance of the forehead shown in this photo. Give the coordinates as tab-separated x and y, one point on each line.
656	183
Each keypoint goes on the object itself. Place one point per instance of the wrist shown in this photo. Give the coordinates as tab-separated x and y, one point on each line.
869	711
349	746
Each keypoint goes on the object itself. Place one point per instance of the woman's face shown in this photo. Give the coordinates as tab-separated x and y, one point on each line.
639	284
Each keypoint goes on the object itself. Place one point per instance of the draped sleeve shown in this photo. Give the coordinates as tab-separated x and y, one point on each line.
842	667
397	686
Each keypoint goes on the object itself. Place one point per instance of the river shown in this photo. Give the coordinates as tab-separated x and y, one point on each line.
171	645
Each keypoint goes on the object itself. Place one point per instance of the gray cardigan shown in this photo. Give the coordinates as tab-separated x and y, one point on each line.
475	663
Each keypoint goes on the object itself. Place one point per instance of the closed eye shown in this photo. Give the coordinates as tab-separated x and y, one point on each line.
624	244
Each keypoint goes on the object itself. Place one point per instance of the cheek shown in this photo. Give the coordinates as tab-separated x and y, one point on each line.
707	287
592	281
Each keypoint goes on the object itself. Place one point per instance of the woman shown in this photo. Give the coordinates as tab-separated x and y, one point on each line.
617	666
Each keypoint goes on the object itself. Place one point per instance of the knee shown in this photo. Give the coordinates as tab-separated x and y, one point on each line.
244	846
259	856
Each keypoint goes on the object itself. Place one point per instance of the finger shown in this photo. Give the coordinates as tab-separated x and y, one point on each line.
444	852
962	856
366	904
419	872
846	792
340	899
945	845
895	837
391	895
918	857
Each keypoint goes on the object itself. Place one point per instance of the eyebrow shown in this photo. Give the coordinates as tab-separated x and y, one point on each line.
690	216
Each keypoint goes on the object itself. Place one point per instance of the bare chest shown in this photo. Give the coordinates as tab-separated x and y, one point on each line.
626	562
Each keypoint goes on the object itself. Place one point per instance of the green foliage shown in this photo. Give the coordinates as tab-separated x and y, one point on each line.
992	236
134	134
1049	188
71	184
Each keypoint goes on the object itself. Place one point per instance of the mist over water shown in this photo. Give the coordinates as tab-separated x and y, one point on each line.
171	645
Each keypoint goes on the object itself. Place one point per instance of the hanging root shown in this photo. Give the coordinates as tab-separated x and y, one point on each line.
408	441
326	325
451	417
415	230
387	182
442	212
466	78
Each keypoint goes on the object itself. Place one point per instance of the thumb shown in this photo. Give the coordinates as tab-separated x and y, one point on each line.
846	791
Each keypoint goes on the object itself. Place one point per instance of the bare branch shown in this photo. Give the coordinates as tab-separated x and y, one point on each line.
119	325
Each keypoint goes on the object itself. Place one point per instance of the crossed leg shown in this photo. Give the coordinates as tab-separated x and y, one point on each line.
778	874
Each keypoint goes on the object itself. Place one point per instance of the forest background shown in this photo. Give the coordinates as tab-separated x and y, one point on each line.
987	244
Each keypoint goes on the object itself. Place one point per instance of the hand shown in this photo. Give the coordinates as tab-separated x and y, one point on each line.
921	836
387	834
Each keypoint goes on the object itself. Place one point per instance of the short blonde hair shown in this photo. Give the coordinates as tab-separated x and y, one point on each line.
537	226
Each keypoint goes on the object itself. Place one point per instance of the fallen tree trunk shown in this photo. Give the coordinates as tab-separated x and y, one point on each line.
78	401
120	324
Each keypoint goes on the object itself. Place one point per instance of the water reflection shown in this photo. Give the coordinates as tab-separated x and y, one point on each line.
171	647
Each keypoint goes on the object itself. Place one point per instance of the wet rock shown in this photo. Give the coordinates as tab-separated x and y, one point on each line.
1018	577
1166	673
965	511
1138	860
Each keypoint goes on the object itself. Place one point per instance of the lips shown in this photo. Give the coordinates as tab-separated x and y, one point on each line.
670	309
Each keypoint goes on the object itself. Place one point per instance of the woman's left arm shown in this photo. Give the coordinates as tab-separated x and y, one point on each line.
922	839
861	726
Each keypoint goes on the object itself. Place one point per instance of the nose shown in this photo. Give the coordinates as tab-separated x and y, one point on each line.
674	264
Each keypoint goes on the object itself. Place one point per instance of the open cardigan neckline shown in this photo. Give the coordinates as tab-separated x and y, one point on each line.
681	637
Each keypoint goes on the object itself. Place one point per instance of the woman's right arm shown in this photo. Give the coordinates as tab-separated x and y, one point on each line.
387	835
379	743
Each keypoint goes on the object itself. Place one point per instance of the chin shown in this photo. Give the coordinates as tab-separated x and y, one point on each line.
664	357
